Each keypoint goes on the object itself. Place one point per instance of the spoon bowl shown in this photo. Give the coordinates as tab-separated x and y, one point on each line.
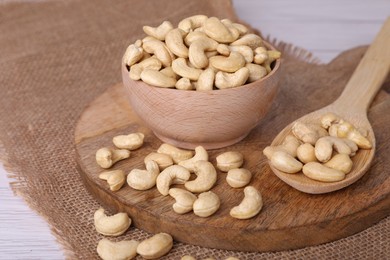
352	106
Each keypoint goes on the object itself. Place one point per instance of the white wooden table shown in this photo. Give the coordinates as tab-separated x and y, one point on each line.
324	27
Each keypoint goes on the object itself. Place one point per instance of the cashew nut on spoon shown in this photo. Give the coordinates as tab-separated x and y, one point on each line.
351	106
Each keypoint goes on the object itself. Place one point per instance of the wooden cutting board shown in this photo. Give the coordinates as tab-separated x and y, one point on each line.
289	219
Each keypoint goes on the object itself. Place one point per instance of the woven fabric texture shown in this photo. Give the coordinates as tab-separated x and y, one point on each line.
56	57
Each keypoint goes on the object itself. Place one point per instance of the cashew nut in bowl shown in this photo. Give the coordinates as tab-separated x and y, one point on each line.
133	54
158	79
184	84
174	174
159	49
155	246
197	49
223	49
232	63
106	157
149	63
193	36
324	147
200	155
256	72
184	200
192	22
180	67
114	225
319	172
207	204
229	160
168	71
329	119
272	56
244	50
284	162
160	31
251	40
115	179
341	162
144	179
163	160
177	154
225	80
242	29
206	80
305	153
130	142
206	177
261	55
238	178
218	31
345	129
122	250
308	133
250	206
175	42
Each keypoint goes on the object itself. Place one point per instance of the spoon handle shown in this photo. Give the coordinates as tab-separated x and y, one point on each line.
369	75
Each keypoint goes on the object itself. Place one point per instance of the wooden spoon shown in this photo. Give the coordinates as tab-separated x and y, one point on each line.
352	106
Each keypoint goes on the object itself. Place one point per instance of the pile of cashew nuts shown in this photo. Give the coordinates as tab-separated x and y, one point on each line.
203	53
321	151
165	167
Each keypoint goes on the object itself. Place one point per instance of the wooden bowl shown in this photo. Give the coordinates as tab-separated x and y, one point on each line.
213	119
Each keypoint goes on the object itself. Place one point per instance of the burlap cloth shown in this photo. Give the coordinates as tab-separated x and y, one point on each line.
56	57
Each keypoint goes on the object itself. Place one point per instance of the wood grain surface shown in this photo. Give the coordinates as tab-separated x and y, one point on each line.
289	219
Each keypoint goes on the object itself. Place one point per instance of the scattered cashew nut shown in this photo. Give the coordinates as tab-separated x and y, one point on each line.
115	179
206	177
106	157
144	179
200	155
184	200
122	250
114	225
229	160
206	204
130	142
155	246
238	178
174	174
177	154
163	160
250	206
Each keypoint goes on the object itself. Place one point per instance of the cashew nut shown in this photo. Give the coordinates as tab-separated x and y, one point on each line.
324	147
133	54
329	119
155	246
261	55
114	225
305	153
341	162
181	68
143	179
250	206
242	29
251	40
319	172
232	63
177	154
159	49
122	250
223	49
115	179
284	162
158	79
225	80
174	41
308	133
174	174
220	32
192	22
238	178
168	71
346	130
184	84
163	160
256	72
130	142
184	200
206	204
106	157
229	160
290	145
200	155
272	56
206	177
193	36
196	52
160	31
149	63
244	50
206	80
